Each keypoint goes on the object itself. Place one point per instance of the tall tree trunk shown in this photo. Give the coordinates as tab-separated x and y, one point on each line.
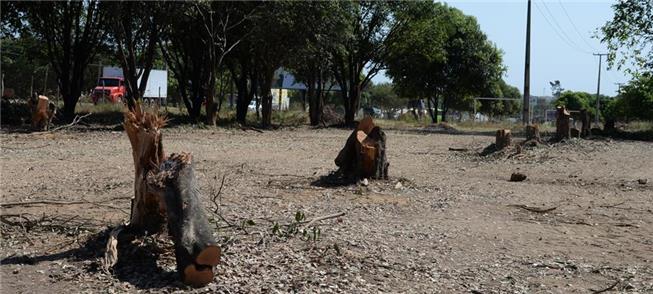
266	98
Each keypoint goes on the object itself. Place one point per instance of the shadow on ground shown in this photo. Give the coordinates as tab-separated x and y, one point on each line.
137	260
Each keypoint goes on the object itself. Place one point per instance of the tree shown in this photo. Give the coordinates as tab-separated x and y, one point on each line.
636	98
629	35
574	100
311	62
72	32
442	53
556	89
134	35
360	53
384	96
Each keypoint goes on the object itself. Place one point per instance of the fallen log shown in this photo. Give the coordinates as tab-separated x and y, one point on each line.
364	153
196	251
166	192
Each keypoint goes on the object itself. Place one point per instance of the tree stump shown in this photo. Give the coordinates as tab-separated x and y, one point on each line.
585	130
43	112
143	130
563	130
503	139
363	155
166	191
533	133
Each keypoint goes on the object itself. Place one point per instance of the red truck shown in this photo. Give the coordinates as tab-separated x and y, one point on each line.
110	89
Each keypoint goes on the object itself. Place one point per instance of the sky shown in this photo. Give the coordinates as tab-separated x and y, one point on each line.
562	42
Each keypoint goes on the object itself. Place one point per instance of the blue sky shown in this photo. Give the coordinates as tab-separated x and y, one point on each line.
562	42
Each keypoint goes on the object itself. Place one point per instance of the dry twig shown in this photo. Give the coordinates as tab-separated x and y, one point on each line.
534	209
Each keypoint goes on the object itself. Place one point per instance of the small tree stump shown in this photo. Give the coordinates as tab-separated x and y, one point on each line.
363	155
43	112
585	130
533	133
562	123
503	139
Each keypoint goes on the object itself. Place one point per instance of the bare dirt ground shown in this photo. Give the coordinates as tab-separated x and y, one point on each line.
454	224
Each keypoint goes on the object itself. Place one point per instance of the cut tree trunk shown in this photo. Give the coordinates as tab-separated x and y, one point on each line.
166	190
363	155
43	112
585	130
533	133
503	139
196	251
143	130
563	130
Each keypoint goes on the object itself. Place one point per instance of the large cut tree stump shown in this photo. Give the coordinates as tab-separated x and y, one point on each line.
166	191
196	251
503	139
364	153
563	130
144	132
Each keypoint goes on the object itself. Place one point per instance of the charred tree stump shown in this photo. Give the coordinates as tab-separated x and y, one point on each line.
585	130
533	133
563	130
166	191
503	139
364	153
196	251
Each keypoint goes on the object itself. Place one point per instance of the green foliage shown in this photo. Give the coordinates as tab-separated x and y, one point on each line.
442	52
635	101
384	96
629	35
574	100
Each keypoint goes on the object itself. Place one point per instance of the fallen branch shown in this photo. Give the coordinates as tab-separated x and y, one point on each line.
534	209
458	149
321	218
606	289
111	252
52	202
612	205
75	121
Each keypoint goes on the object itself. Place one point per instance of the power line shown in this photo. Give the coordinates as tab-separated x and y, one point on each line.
558	33
575	27
564	32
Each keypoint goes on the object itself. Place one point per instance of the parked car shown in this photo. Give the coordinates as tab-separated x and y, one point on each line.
373	111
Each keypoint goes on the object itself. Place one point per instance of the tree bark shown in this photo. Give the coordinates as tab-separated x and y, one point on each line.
196	251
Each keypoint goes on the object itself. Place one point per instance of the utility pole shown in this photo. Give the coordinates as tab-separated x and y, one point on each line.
526	115
598	88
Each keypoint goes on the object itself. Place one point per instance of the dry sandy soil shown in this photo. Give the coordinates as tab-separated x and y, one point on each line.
454	224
